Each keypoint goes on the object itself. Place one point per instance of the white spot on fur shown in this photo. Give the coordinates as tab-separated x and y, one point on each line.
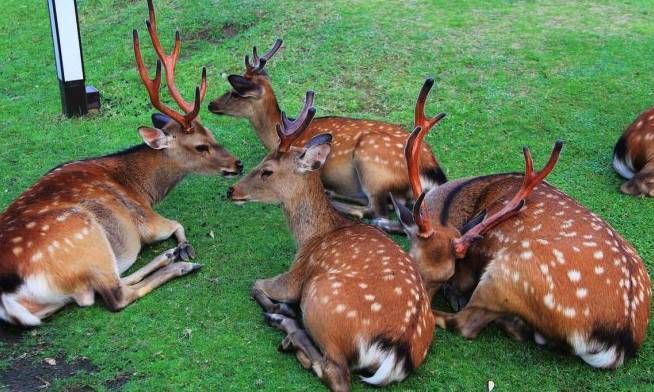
549	300
574	275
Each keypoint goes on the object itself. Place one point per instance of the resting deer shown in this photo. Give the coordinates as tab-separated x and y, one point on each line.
366	162
529	257
362	301
633	156
75	231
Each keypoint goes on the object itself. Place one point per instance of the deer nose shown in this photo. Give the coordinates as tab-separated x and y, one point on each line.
230	192
239	166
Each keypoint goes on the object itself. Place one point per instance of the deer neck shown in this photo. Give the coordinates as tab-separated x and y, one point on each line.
264	120
150	173
459	201
310	214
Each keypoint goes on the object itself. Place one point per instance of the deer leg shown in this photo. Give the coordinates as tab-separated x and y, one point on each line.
159	228
158	262
515	327
346	199
479	311
352	210
335	376
120	295
275	294
642	183
468	322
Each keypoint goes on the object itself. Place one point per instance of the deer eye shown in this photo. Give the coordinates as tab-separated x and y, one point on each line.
202	148
265	173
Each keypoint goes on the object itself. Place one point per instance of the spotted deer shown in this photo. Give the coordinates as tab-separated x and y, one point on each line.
513	249
82	225
362	301
633	156
366	162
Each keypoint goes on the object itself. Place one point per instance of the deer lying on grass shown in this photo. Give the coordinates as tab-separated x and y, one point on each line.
82	225
362	301
546	267
633	156
366	162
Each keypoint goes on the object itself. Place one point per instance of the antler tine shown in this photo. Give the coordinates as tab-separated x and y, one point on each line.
152	85
273	50
529	182
288	131
258	63
169	62
420	120
420	217
412	153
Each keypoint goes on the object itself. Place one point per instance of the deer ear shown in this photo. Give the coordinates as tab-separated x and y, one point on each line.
405	216
244	87
315	153
155	138
473	222
160	120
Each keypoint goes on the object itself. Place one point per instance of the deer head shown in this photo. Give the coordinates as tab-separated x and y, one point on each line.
181	135
251	93
436	250
284	171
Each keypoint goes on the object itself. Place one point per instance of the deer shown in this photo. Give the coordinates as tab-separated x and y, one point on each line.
633	156
362	302
515	250
82	225
366	162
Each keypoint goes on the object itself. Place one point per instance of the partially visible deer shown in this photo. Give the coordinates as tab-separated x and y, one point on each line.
362	301
366	162
529	257
633	156
75	231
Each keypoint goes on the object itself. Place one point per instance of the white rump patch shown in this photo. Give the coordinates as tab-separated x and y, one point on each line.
13	311
595	354
389	367
623	168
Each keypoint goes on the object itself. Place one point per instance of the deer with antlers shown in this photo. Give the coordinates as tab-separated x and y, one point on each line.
361	299
513	249
82	225
633	156
366	162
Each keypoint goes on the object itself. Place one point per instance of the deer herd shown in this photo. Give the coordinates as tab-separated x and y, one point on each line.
507	248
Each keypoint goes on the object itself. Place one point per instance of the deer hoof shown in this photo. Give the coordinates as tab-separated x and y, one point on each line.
273	319
184	252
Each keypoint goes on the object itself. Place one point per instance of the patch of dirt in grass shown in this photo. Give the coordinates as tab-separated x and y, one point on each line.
29	374
215	34
117	383
10	334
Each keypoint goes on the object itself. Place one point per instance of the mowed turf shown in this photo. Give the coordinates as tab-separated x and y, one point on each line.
508	74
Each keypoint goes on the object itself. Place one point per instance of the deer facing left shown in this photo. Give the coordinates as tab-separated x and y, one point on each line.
75	231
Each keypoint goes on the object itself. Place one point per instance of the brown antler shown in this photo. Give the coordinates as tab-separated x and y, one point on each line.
288	131
169	62
258	63
412	154
530	181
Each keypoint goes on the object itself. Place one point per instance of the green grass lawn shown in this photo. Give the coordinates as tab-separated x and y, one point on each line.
508	74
